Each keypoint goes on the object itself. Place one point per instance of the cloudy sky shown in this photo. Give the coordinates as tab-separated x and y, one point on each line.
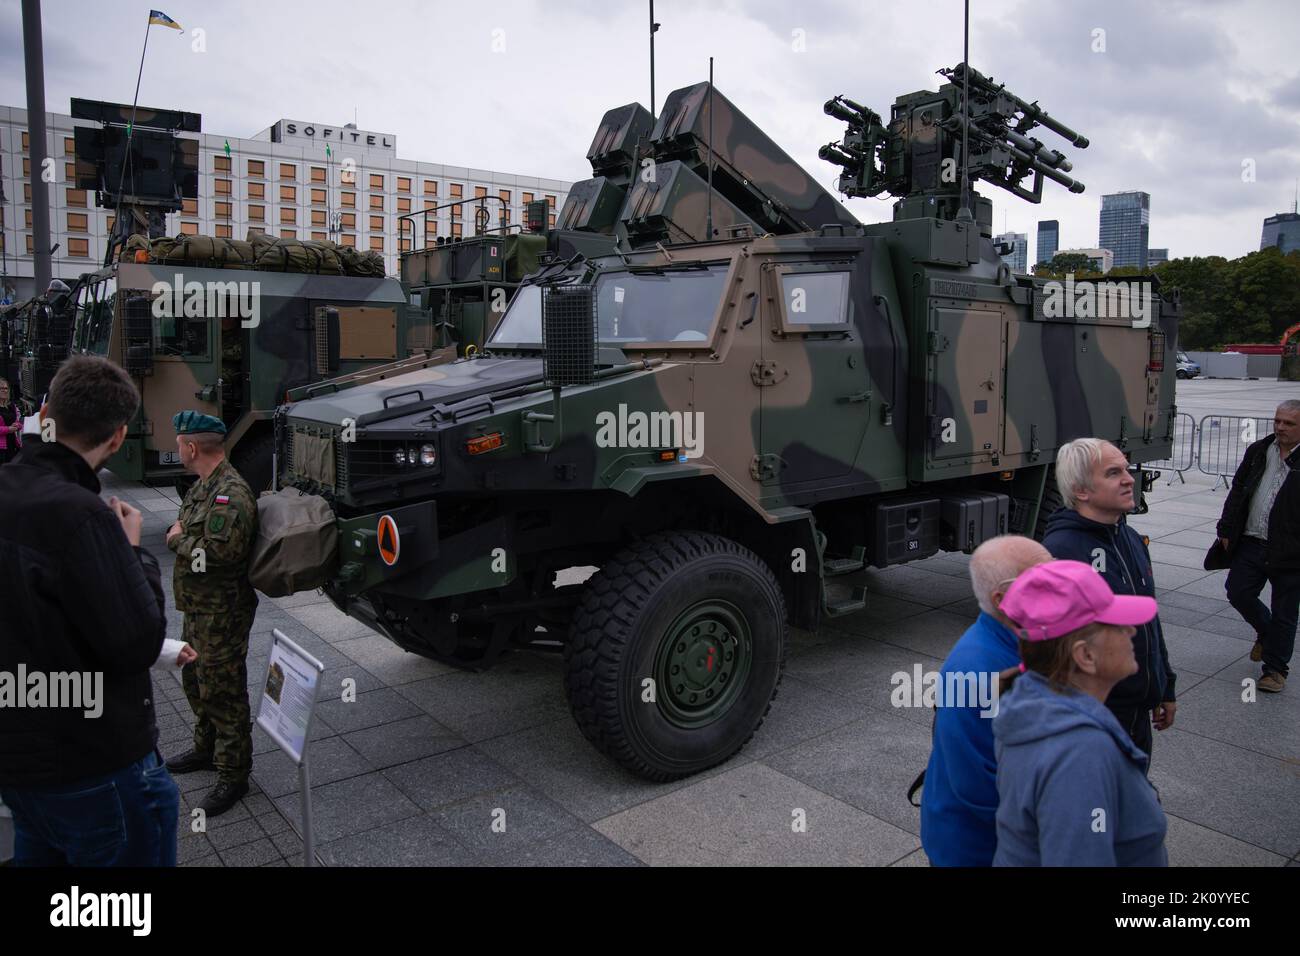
1197	103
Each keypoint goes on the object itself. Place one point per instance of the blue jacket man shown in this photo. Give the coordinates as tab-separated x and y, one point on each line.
960	800
1097	488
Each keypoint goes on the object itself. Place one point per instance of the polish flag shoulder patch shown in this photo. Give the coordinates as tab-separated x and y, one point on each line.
222	500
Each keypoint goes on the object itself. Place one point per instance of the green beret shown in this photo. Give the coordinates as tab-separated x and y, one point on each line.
189	422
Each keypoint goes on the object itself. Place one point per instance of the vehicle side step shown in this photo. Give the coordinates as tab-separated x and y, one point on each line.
855	602
833	567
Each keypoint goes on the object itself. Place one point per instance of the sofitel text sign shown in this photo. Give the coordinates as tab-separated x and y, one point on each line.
291	131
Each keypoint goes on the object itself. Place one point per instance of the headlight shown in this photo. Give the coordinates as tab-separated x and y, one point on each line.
428	455
399	456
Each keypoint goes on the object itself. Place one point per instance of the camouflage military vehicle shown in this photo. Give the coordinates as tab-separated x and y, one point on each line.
722	427
230	343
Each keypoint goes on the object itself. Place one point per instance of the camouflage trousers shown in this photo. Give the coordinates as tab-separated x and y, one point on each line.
216	686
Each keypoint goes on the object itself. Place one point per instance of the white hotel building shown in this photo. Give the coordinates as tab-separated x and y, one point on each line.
280	181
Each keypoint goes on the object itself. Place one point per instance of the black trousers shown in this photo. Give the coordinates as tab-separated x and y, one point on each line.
1276	625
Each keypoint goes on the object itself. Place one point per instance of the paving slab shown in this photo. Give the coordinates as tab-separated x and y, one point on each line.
862	670
415	841
1201	652
331	759
451	777
381	657
513	695
402	741
1269	724
348	807
557	761
498	825
868	764
755	816
580	847
369	709
930	634
1243	794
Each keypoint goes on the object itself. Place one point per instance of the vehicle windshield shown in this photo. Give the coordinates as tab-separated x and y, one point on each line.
677	305
95	316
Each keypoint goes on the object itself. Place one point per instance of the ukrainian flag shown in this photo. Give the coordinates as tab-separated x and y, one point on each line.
162	20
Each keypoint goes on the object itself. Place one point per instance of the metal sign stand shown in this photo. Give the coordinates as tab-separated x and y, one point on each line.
285	711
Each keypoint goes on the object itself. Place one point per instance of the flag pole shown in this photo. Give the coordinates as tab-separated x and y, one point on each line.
119	228
130	130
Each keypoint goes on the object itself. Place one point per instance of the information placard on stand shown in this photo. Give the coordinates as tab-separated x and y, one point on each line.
285	710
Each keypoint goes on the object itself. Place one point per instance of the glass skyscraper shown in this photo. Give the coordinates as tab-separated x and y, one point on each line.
1126	227
1049	239
1283	231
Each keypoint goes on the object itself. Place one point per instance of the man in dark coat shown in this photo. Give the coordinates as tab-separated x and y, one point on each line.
82	609
1260	530
1097	488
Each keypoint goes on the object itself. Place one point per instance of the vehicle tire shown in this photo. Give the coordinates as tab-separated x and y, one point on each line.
1052	500
252	459
1180	374
655	611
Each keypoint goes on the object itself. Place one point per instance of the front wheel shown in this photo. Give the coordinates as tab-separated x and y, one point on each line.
676	653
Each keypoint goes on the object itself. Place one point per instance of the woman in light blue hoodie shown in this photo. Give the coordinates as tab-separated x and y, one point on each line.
1072	785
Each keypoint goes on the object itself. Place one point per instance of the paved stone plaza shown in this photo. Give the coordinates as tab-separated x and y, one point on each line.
412	771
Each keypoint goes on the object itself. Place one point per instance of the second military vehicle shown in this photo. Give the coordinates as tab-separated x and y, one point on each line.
722	427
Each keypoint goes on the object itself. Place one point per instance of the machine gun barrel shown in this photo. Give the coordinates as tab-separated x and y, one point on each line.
1033	113
1073	185
1039	115
1049	157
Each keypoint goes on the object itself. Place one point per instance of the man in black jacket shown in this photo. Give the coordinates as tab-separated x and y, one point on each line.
1097	488
82	607
1260	530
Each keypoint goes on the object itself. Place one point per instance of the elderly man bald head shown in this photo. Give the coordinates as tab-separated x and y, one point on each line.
960	800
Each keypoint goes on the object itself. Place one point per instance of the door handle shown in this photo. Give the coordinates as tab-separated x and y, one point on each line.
856	397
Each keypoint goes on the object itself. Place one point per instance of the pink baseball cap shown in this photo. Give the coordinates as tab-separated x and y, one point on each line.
1055	598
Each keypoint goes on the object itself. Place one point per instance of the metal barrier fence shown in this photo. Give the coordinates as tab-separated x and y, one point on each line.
1223	442
1184	453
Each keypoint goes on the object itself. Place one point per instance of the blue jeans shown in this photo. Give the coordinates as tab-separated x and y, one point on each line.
124	818
1275	626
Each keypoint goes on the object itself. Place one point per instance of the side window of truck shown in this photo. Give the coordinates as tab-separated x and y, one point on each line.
816	298
182	336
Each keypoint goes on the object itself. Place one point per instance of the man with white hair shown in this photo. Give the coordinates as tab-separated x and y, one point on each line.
1260	530
960	801
1097	489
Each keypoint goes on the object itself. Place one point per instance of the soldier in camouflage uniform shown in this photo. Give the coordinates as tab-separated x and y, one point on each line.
213	540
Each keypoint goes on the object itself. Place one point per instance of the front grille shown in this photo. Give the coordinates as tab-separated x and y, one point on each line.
371	459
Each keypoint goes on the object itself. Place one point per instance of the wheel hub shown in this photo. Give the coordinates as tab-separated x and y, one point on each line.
702	663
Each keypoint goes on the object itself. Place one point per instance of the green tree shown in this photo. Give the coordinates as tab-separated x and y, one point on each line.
1063	263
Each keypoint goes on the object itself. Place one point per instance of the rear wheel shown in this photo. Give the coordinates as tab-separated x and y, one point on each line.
675	653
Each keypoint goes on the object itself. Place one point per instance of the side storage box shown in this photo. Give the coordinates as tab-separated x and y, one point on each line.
904	530
969	520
